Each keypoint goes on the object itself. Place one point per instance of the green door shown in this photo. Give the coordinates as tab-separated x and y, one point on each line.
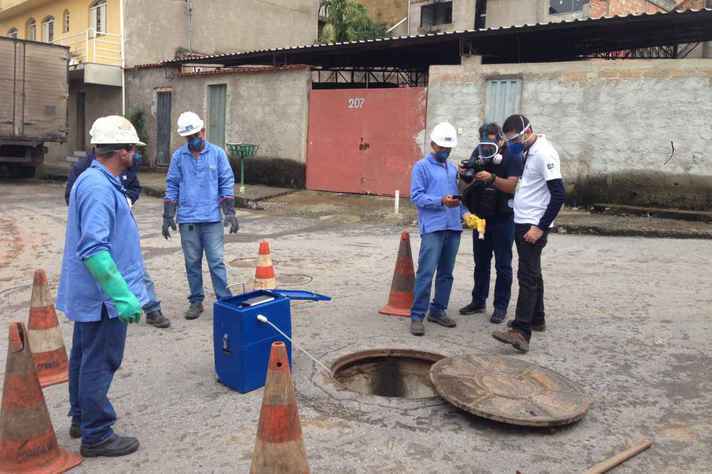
217	99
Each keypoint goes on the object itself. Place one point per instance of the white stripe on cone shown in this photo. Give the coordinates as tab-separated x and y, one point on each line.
45	340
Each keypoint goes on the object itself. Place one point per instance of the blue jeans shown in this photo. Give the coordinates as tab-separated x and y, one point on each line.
154	304
499	238
208	238
438	251
97	352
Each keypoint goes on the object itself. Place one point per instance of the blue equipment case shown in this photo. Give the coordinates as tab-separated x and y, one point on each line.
242	344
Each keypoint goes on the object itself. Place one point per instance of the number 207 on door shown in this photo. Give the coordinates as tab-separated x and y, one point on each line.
356	102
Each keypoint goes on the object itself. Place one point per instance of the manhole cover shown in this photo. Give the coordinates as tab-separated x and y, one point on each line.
509	390
393	373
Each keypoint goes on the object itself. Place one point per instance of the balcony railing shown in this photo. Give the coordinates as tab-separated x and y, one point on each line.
92	47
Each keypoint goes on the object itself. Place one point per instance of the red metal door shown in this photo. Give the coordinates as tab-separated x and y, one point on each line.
365	140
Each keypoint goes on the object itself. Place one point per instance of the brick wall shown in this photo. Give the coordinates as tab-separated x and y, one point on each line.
601	8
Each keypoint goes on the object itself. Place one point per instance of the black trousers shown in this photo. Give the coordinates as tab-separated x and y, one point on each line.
530	304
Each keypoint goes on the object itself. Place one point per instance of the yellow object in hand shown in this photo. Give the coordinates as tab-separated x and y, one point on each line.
474	222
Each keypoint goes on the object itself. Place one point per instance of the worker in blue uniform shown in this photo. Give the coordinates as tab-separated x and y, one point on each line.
101	286
132	185
200	183
440	213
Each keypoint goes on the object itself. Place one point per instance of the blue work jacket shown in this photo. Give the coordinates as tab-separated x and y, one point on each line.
199	185
430	182
99	218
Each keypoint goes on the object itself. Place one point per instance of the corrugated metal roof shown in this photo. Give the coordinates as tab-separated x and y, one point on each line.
565	39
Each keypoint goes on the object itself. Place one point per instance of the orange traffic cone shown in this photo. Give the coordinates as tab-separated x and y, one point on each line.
280	447
264	274
27	439
45	335
401	298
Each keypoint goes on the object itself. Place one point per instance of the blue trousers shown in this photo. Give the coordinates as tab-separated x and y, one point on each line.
97	352
208	238
154	304
499	238
438	251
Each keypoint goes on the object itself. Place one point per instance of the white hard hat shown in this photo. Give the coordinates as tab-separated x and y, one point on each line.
114	130
444	135
189	124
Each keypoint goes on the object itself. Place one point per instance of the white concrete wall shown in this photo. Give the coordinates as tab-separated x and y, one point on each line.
269	109
612	122
156	28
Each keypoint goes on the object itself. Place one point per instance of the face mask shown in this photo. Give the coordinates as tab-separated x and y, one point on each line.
515	144
516	148
487	150
442	156
195	143
137	157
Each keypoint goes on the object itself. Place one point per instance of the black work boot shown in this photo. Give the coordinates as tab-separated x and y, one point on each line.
194	312
498	316
113	447
156	318
441	319
473	308
74	430
417	328
513	337
538	327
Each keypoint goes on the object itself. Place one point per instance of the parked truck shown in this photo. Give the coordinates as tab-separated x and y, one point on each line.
34	95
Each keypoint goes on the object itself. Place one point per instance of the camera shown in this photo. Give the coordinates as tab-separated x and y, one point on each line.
485	154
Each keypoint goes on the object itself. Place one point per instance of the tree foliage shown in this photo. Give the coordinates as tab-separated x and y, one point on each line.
348	20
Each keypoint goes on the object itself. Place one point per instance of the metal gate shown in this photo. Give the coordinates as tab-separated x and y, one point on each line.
217	101
365	141
163	126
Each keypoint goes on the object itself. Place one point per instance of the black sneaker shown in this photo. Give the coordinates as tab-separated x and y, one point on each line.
473	308
113	447
156	318
194	312
539	327
417	328
442	319
498	316
75	431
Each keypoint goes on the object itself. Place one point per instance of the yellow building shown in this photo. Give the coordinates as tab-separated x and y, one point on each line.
92	29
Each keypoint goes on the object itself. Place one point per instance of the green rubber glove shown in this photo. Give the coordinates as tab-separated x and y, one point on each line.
103	268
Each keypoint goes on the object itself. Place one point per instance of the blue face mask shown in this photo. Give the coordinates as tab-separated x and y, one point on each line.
137	158
442	156
195	143
516	148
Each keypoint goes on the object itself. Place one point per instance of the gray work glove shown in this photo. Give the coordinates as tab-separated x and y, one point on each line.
228	208
169	213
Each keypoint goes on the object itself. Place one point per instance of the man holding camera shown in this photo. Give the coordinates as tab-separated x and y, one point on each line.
537	202
492	175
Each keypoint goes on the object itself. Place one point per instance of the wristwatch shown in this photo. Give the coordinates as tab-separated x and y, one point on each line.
494	178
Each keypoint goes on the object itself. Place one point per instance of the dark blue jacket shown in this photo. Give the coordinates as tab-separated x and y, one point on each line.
129	179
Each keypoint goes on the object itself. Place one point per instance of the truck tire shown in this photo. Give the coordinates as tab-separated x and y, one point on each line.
25	172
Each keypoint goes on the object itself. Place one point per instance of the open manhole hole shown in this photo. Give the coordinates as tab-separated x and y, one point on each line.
393	373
